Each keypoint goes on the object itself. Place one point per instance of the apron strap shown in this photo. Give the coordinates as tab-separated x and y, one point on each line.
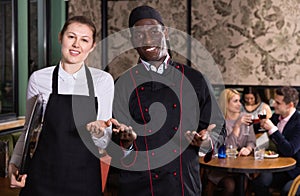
88	77
89	81
55	80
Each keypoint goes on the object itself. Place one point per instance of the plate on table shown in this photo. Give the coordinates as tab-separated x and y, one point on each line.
271	154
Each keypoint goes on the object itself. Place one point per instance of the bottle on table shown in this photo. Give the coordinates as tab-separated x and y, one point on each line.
222	152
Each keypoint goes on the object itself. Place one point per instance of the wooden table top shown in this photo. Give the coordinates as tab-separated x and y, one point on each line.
247	164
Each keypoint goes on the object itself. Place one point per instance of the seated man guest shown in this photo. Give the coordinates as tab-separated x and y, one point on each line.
284	130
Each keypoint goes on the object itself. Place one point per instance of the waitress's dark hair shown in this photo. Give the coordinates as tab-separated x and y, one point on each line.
251	90
82	20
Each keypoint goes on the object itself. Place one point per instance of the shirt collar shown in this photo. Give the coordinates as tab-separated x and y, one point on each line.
65	75
161	67
286	119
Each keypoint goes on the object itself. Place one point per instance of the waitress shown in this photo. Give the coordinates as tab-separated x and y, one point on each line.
65	161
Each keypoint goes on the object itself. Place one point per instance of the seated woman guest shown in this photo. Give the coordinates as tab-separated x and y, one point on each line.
252	104
237	124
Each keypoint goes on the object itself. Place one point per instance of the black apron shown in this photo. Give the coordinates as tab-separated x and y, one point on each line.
63	164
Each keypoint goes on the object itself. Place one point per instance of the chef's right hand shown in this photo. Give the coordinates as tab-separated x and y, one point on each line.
16	181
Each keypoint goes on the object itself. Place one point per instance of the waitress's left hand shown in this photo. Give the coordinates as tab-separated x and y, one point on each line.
97	128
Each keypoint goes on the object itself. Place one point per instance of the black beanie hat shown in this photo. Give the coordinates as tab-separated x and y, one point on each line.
143	12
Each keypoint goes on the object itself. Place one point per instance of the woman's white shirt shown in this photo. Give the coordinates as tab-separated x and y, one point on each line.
40	82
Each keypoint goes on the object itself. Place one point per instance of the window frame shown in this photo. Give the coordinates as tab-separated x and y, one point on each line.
13	113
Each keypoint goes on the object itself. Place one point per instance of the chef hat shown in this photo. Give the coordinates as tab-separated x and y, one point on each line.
143	12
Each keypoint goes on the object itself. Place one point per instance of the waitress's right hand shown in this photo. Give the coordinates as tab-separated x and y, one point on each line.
16	181
97	128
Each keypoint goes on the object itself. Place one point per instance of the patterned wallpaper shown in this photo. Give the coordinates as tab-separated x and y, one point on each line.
92	10
253	42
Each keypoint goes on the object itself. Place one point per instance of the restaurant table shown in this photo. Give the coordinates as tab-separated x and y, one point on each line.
247	164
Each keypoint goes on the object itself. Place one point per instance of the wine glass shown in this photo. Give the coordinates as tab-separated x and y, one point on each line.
255	119
262	115
247	130
209	154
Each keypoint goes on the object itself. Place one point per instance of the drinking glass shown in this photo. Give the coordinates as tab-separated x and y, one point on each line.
209	154
231	151
255	119
262	115
247	130
259	153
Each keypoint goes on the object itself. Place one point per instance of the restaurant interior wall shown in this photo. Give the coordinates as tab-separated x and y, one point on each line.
252	42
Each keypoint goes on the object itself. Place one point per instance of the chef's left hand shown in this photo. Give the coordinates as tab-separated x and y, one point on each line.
195	138
126	133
